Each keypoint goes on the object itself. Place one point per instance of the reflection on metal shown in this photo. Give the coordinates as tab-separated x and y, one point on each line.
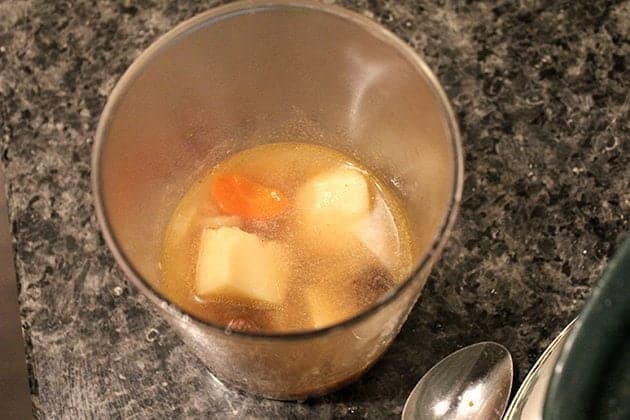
529	400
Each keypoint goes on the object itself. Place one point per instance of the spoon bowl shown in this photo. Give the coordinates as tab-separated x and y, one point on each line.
471	383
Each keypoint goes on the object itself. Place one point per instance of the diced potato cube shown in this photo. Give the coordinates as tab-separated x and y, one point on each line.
330	202
327	307
240	264
378	234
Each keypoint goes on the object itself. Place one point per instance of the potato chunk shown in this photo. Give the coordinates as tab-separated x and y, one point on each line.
330	202
240	265
377	233
327	306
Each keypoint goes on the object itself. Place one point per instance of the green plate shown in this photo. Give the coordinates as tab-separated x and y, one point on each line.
591	379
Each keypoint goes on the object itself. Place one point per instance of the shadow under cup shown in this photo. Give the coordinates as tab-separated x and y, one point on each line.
257	72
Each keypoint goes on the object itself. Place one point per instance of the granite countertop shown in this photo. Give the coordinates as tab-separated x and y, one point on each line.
540	90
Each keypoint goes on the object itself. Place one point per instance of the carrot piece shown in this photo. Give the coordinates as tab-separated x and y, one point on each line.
243	197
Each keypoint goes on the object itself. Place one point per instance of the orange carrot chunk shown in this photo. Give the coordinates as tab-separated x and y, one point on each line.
243	197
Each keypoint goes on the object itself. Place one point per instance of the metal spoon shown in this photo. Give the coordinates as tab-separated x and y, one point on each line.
472	383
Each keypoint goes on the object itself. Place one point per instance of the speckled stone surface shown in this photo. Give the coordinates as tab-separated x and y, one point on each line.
540	90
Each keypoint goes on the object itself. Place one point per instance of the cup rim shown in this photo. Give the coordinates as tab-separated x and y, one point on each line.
250	6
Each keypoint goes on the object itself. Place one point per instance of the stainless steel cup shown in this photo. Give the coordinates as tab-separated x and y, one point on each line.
262	71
